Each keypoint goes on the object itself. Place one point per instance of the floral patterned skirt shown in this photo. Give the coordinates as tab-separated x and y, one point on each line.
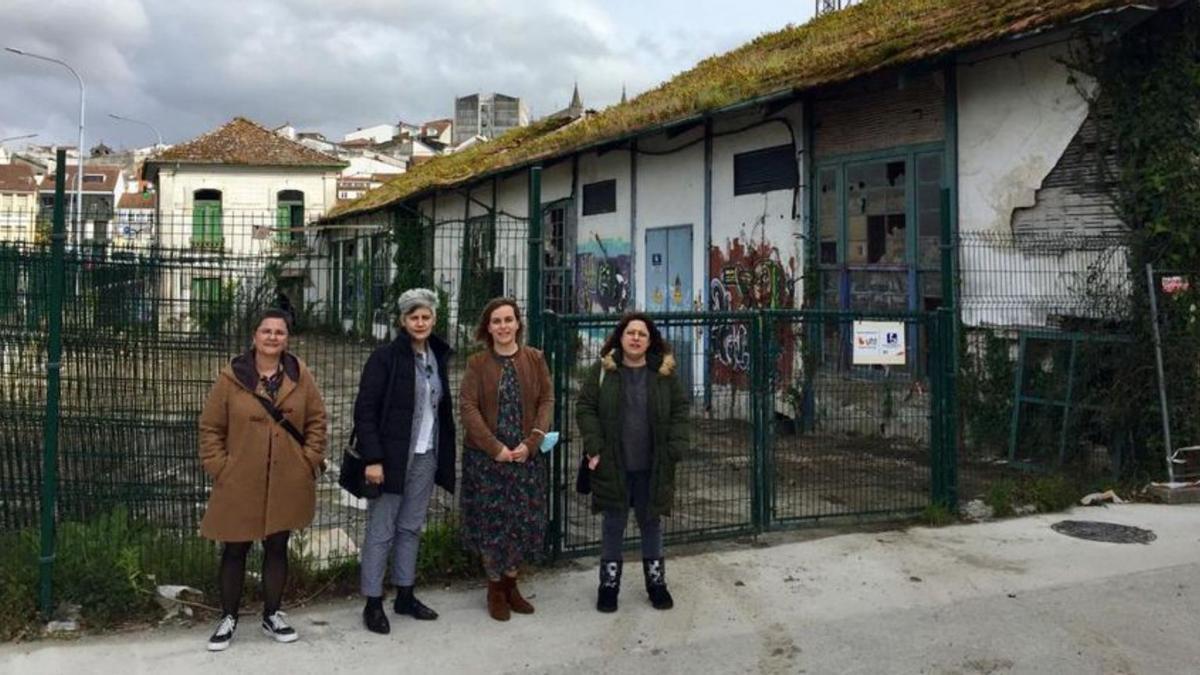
503	509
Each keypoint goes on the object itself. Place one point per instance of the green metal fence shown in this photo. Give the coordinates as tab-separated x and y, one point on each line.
783	431
1047	318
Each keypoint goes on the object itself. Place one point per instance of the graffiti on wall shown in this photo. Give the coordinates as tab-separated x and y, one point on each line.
602	276
749	276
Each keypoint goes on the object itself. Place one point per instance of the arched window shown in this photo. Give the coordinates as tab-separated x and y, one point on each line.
289	216
206	219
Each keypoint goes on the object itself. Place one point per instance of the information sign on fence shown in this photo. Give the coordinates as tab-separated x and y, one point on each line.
879	343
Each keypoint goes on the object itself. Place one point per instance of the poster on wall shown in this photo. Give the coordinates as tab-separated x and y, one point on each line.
879	343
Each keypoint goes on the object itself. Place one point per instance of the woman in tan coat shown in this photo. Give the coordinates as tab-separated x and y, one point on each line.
506	402
264	477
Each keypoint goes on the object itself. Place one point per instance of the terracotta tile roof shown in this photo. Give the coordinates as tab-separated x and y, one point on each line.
107	183
833	48
138	200
241	142
17	178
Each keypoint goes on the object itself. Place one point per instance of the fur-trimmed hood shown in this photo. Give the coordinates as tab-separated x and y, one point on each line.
664	363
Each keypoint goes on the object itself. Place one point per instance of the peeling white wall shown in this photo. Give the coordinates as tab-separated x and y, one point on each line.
1016	115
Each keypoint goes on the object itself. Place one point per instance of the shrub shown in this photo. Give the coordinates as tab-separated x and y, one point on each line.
1000	497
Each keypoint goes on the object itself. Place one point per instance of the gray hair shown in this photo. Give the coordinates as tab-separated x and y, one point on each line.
416	298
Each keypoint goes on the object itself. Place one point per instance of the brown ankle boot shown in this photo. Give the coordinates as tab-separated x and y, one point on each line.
516	602
497	600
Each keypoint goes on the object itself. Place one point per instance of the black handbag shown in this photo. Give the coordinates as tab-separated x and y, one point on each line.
583	477
350	475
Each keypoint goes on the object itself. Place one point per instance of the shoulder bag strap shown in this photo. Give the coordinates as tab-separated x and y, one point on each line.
280	419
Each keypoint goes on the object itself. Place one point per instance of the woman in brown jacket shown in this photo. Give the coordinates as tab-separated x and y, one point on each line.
506	402
264	479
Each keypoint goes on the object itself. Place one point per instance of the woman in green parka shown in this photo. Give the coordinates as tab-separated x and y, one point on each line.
633	416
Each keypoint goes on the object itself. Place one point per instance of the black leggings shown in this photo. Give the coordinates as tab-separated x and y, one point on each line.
274	572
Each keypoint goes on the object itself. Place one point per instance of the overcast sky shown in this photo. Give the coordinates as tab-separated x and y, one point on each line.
187	66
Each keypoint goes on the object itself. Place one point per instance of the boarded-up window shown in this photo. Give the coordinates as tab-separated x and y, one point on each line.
764	170
600	197
877	113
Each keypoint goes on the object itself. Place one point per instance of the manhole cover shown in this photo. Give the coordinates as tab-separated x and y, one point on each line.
1094	530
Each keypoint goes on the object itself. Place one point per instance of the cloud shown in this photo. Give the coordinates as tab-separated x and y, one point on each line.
187	67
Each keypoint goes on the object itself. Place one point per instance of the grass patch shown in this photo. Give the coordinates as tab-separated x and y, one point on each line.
109	567
937	515
1050	493
1001	496
1046	493
442	554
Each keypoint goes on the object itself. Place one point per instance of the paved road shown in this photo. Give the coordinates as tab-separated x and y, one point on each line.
1006	597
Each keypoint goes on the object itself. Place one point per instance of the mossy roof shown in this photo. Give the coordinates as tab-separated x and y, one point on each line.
832	48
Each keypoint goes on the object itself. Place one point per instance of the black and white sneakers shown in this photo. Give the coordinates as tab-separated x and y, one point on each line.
275	626
223	635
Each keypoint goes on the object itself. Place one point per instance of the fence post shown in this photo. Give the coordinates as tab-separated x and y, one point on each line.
945	411
54	309
534	290
767	351
757	377
552	346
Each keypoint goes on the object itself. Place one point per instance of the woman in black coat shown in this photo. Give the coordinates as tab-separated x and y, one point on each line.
407	448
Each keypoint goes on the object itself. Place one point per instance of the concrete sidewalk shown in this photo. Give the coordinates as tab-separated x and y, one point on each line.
1003	597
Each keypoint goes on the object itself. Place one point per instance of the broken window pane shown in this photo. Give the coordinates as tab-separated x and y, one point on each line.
929	210
827	216
876	220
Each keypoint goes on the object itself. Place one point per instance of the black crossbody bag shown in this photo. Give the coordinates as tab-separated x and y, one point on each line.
350	476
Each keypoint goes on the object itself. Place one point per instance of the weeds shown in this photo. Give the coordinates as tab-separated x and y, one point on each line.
1047	493
1001	497
442	554
109	568
938	515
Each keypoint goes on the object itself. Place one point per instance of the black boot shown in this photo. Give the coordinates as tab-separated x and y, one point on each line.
610	585
375	618
655	571
407	603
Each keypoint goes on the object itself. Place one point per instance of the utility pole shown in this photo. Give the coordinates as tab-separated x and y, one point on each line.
78	226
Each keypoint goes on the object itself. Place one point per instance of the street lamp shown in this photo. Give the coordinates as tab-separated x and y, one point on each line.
16	138
145	124
12	138
79	170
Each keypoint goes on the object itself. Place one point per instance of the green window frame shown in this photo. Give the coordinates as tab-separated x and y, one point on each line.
289	214
207	227
878	256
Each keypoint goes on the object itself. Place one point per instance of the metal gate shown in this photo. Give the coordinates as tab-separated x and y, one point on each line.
786	429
